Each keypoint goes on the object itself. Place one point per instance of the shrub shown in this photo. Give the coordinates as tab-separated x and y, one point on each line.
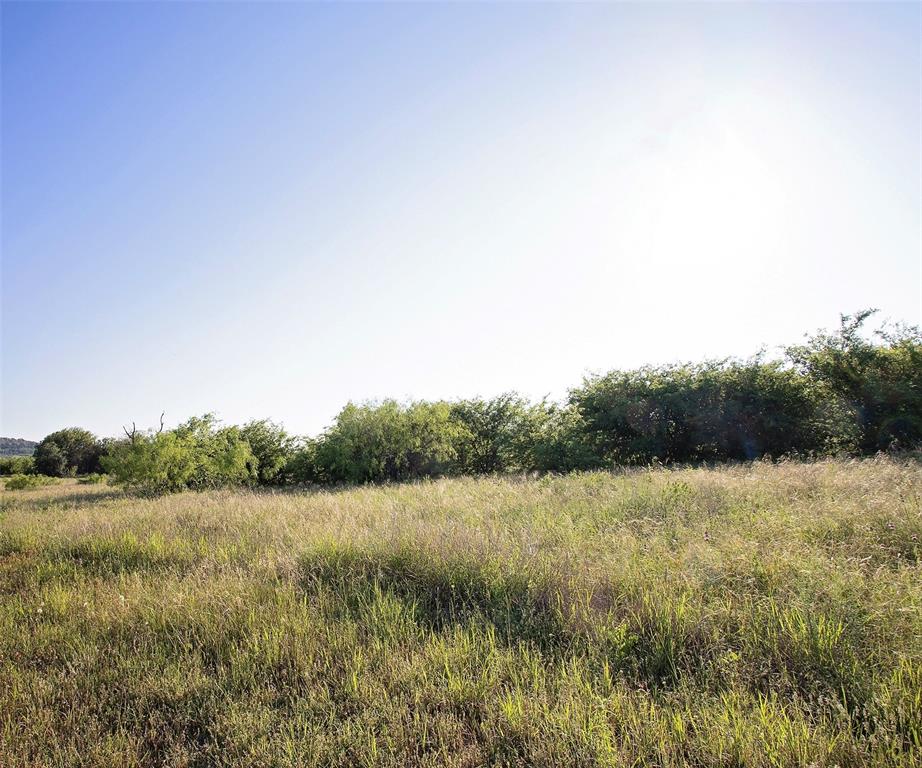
388	441
197	454
220	455
494	434
302	466
559	443
272	447
717	410
879	385
25	482
17	465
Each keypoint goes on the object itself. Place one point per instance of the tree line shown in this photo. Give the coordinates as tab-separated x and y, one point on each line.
839	392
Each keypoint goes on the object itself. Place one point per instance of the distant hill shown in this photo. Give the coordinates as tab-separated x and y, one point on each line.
16	446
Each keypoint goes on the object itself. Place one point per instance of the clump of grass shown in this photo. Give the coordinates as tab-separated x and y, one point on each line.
757	615
93	478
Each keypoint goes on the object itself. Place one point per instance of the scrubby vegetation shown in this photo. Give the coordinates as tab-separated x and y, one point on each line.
838	394
197	454
762	614
23	482
17	465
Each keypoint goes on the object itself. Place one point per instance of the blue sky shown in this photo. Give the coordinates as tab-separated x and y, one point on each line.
270	209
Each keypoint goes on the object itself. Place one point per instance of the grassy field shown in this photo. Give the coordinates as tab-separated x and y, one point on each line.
760	615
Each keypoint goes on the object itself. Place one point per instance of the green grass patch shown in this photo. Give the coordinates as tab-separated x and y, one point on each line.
732	617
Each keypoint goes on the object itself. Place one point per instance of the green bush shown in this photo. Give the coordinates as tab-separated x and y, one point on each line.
879	384
495	435
17	465
272	447
712	411
302	466
197	454
389	441
560	443
25	482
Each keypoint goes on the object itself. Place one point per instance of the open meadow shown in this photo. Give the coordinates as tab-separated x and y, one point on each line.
749	615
